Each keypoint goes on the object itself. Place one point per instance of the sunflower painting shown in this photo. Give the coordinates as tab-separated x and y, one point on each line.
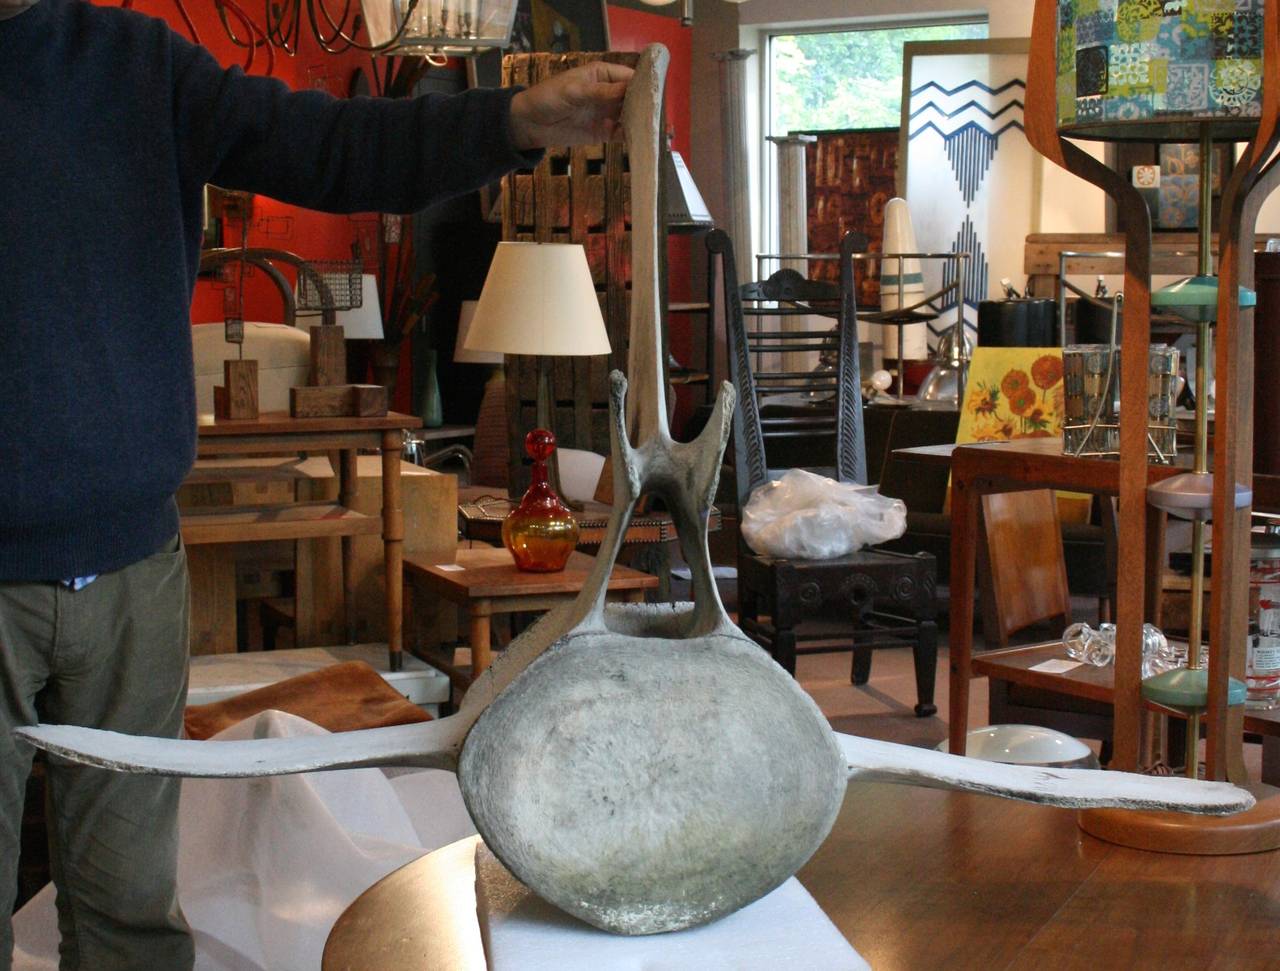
1014	392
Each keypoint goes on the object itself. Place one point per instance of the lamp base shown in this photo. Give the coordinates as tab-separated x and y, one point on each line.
1255	831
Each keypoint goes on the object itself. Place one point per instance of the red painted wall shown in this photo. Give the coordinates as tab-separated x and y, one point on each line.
310	234
321	236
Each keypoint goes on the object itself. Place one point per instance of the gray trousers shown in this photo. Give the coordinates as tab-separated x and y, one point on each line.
112	655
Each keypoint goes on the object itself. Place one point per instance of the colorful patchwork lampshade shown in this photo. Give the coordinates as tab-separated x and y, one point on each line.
1155	70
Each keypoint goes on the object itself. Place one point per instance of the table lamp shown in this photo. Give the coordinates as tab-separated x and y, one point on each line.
462	354
539	300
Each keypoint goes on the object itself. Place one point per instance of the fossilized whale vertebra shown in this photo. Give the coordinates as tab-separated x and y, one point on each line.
644	767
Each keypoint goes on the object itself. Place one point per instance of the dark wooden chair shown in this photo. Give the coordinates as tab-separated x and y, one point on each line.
791	414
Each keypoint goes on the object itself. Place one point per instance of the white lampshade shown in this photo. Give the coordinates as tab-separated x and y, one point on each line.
365	321
461	353
538	299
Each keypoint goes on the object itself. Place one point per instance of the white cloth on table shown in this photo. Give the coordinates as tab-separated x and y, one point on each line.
265	866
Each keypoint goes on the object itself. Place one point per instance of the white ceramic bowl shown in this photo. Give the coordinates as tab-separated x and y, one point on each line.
1028	745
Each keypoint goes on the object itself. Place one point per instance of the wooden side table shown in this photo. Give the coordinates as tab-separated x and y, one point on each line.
278	433
480	517
1039	463
485	581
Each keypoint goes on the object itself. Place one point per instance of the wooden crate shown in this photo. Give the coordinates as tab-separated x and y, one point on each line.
577	195
222	573
430	504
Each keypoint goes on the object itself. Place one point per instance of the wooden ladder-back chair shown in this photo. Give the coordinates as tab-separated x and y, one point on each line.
790	414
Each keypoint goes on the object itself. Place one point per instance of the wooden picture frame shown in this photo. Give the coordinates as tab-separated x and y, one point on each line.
561	26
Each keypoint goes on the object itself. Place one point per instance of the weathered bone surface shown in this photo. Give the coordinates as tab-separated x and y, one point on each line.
644	767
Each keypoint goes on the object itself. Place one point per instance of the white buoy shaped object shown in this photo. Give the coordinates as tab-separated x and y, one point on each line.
901	283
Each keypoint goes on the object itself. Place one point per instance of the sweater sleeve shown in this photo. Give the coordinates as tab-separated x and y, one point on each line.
310	149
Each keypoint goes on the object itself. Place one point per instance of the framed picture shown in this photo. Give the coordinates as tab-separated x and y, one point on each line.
965	166
1172	187
560	26
545	26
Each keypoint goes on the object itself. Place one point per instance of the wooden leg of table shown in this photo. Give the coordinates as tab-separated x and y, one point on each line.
664	572
478	612
1271	760
348	482
964	537
634	596
393	545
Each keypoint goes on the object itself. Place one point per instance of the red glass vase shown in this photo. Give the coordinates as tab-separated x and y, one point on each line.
540	532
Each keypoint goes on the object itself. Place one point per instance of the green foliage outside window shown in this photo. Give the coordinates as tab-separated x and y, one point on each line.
846	79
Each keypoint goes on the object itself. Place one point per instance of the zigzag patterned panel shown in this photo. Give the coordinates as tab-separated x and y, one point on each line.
968	171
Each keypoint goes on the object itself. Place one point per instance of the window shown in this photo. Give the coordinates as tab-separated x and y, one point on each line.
845	79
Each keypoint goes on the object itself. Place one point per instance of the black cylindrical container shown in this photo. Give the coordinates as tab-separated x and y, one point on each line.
1024	322
1093	323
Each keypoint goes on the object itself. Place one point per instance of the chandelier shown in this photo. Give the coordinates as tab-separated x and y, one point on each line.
432	29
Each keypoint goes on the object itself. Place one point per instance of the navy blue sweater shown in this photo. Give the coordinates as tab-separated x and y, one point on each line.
110	126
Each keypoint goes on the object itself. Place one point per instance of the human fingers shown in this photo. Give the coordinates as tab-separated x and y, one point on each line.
606	71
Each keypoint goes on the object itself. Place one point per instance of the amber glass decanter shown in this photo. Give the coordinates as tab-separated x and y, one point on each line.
540	532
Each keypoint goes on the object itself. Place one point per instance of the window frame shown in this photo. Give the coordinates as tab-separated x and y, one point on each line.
766	156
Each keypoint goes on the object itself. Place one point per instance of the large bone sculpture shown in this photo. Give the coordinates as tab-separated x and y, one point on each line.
644	767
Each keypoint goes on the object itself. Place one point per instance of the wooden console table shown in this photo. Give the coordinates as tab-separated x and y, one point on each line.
280	434
1015	665
1037	463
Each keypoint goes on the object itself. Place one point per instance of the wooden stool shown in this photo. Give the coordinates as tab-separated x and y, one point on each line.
486	582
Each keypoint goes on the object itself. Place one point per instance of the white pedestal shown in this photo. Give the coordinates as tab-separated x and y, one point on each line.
517	930
216	677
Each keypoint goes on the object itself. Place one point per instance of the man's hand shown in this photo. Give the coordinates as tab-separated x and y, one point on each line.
575	107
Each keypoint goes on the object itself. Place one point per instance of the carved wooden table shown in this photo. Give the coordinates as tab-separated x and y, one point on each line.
280	434
918	878
485	582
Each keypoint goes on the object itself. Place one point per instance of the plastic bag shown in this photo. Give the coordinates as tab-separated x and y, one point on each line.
804	516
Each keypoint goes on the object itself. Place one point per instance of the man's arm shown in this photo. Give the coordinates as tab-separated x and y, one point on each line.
571	108
366	154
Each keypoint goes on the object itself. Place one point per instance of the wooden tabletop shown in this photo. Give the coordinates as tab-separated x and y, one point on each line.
282	423
491	572
1087	681
919	878
1040	462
